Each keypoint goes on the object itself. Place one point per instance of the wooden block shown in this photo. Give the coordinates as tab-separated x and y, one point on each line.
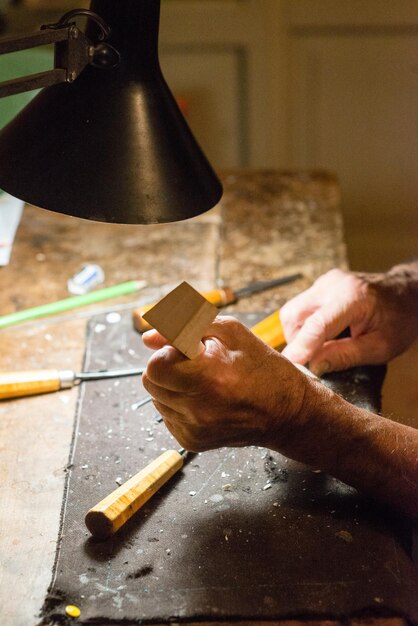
182	317
218	297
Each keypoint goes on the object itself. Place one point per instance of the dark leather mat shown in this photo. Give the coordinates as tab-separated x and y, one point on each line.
238	533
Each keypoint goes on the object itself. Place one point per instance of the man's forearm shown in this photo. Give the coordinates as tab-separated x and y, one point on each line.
369	452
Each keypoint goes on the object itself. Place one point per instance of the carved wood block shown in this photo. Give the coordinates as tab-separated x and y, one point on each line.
182	317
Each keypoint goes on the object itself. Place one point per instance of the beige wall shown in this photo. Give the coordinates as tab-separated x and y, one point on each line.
353	107
311	83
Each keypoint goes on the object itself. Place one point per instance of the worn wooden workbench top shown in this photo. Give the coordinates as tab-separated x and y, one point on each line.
268	224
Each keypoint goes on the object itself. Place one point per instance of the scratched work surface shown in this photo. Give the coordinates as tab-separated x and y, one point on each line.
239	533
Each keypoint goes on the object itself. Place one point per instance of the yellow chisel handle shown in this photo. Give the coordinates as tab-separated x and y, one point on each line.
32	382
270	330
218	297
104	519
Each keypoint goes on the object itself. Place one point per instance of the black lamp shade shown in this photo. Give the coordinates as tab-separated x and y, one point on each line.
112	146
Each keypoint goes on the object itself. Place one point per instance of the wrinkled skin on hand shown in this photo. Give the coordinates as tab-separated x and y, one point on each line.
381	311
237	392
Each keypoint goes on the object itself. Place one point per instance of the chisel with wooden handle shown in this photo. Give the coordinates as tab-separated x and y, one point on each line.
270	330
33	382
218	297
104	519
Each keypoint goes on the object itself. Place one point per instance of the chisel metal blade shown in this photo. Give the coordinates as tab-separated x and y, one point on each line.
99	375
264	285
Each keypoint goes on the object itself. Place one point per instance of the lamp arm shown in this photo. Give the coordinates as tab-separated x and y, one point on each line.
73	51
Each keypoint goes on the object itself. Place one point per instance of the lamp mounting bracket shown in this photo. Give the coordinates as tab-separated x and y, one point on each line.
73	51
67	20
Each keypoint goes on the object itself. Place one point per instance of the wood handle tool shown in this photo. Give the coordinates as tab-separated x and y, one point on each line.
270	330
104	519
32	382
218	297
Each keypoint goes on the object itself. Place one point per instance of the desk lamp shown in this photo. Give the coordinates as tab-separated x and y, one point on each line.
105	139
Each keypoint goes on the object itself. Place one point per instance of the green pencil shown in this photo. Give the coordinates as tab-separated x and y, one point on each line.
71	303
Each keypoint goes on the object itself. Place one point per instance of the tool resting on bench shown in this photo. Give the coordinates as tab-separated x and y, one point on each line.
33	382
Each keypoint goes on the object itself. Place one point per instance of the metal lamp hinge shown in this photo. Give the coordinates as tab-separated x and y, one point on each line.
73	51
78	51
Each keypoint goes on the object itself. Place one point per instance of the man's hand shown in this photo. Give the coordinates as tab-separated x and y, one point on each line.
381	311
241	392
237	392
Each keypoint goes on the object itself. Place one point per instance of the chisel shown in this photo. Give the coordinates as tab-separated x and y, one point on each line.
218	297
270	330
32	382
104	519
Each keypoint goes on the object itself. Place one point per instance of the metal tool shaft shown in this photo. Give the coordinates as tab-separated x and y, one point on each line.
109	374
264	285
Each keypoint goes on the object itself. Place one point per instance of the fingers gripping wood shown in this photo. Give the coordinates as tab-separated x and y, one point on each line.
182	317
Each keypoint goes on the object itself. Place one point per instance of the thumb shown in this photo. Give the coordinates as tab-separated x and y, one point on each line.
154	340
342	354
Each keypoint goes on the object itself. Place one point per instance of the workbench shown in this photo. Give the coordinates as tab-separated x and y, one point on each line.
267	224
